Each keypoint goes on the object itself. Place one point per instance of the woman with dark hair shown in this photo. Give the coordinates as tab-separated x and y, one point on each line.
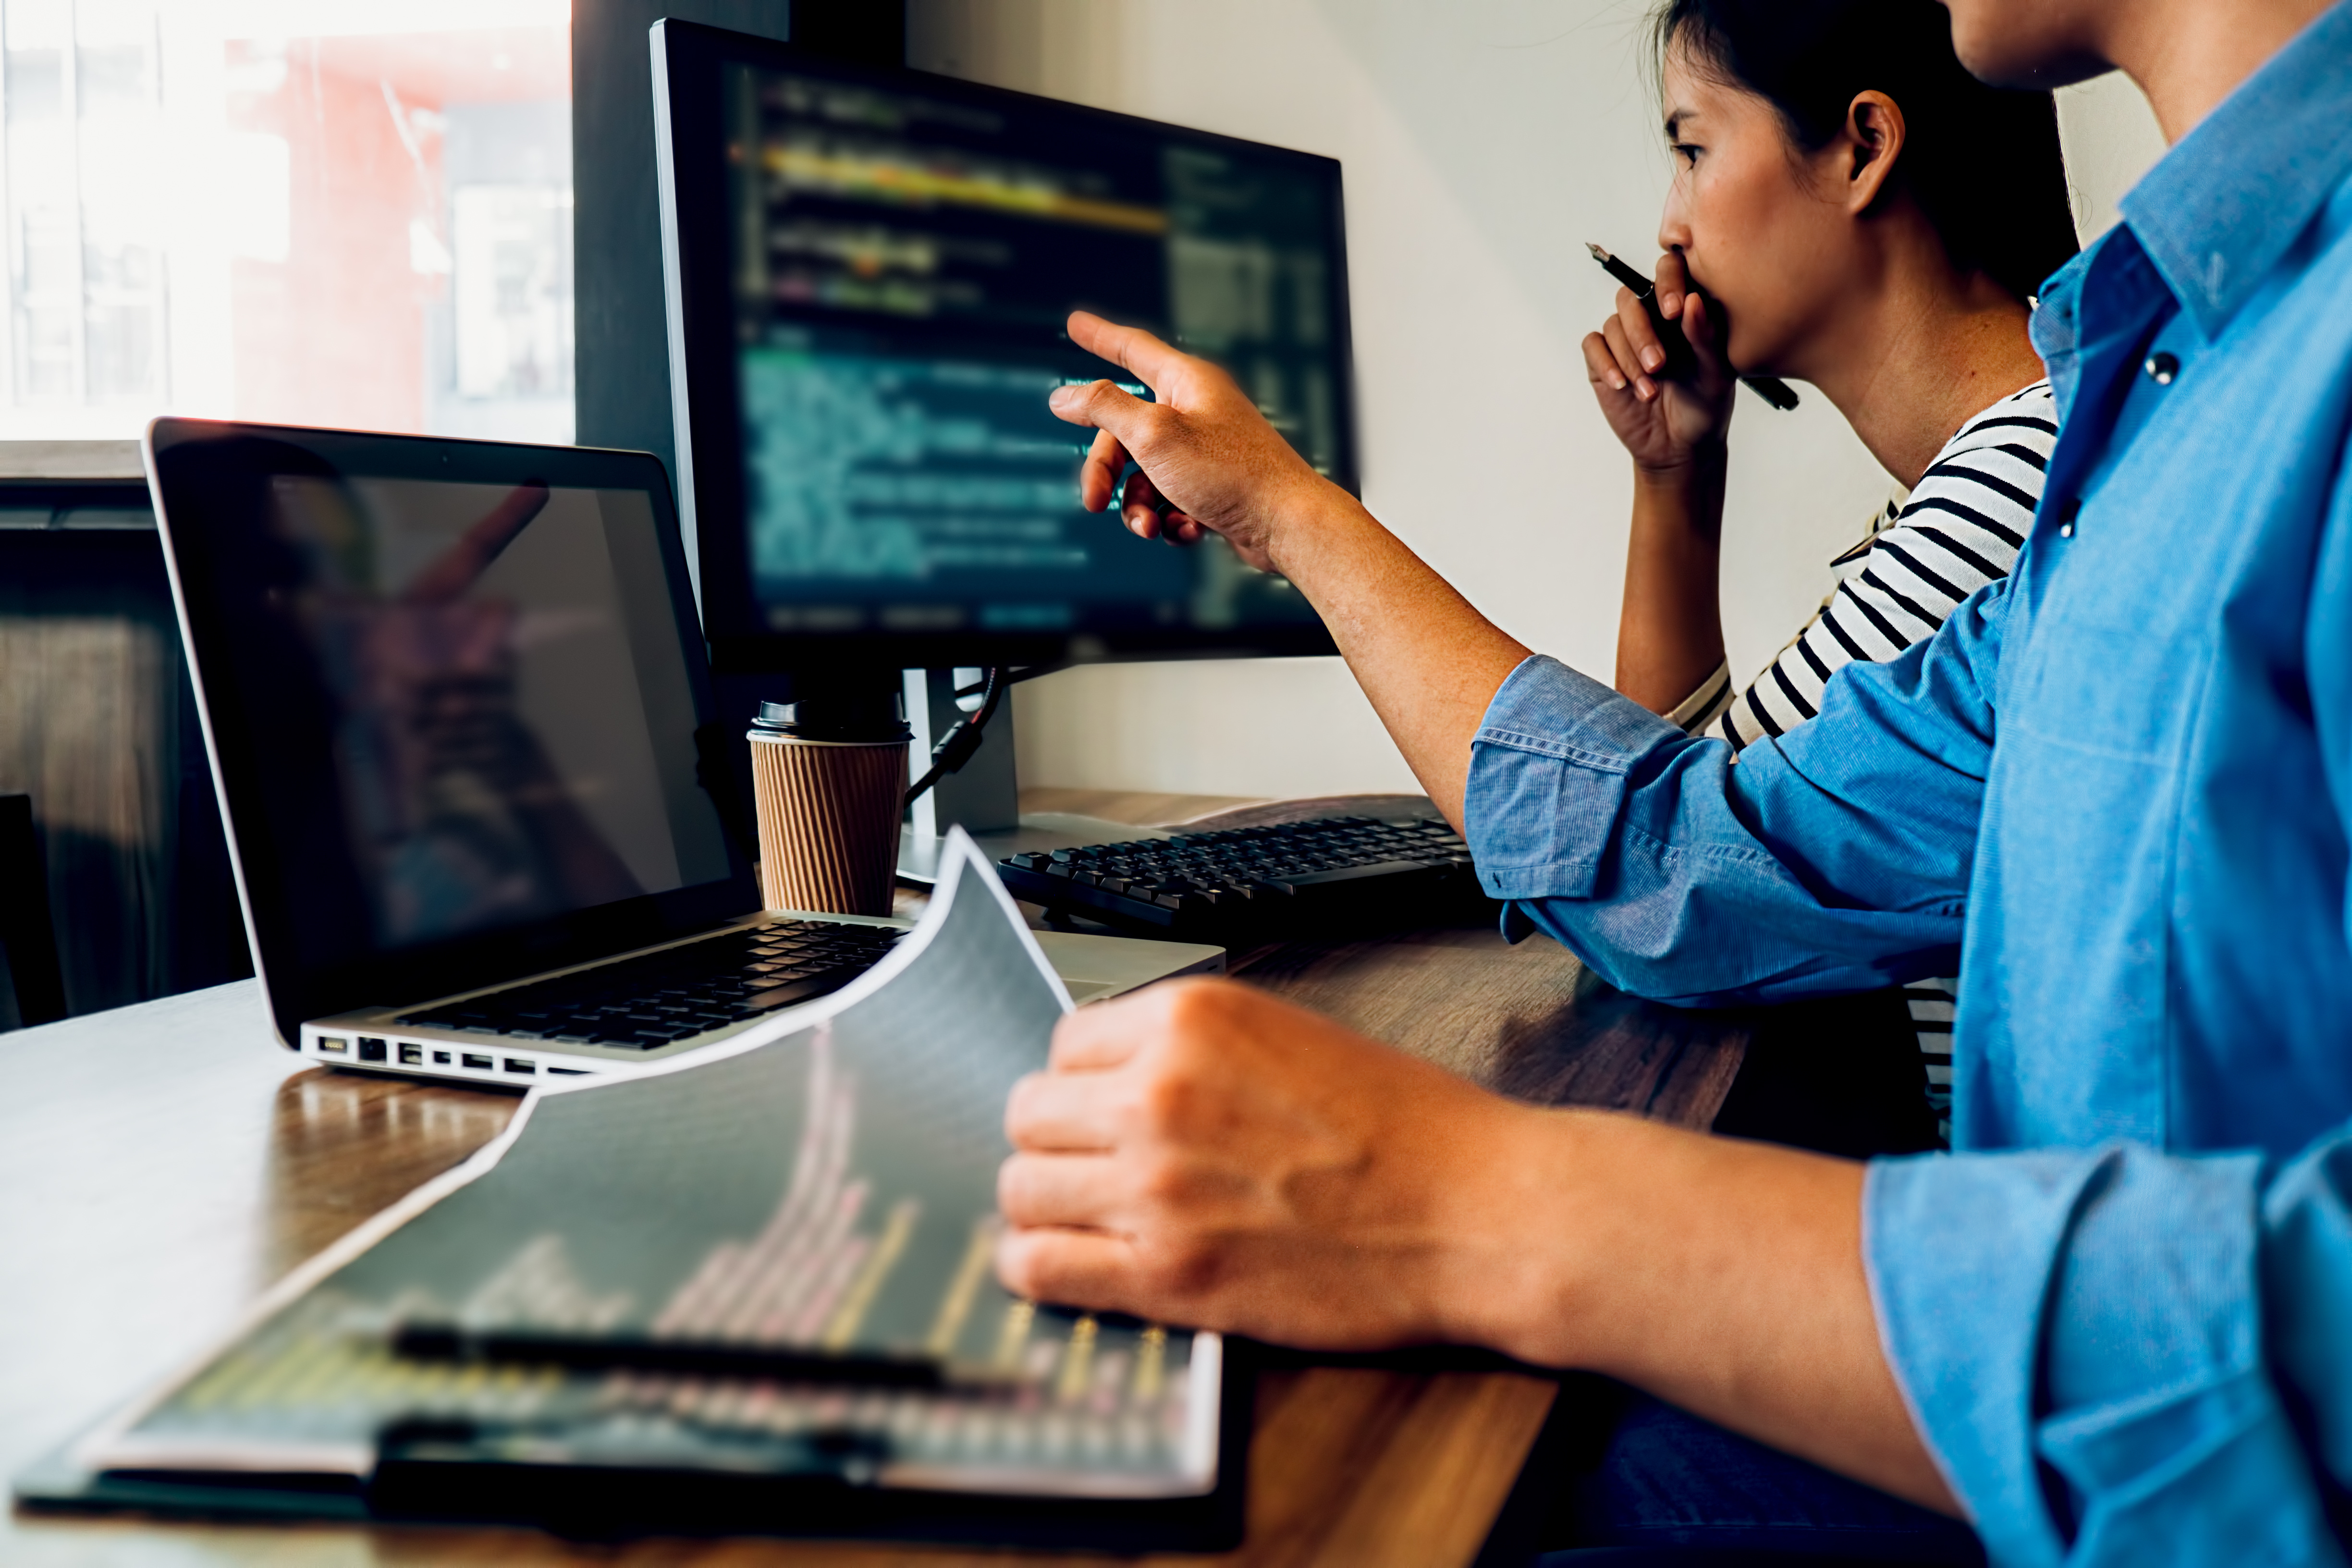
1850	209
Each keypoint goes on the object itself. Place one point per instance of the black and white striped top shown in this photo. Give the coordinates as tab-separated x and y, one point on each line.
1959	530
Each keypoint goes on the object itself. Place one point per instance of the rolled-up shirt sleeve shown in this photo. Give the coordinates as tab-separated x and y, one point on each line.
2120	1356
1833	859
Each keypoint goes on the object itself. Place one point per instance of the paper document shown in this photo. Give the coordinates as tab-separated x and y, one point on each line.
774	1255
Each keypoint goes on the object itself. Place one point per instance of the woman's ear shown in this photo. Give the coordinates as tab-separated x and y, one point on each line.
1873	133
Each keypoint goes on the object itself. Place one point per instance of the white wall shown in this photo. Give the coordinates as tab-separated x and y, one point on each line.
2111	138
1484	141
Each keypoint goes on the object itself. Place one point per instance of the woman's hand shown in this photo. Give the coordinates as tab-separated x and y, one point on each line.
1207	461
1666	424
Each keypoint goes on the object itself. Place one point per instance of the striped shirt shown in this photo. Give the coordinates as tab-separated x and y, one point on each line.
1960	529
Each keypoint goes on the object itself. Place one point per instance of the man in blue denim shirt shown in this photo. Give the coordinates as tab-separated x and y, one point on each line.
2117	1325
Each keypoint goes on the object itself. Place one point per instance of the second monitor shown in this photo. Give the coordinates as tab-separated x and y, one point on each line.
868	272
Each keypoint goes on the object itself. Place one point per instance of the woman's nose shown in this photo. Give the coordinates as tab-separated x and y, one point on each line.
1674	222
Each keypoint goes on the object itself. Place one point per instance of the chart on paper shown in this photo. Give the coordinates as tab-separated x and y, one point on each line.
814	1213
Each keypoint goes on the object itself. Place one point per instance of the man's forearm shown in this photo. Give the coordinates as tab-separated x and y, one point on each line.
1427	659
1670	632
1722	1275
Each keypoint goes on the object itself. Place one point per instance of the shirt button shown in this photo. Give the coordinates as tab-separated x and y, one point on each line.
2066	517
2161	368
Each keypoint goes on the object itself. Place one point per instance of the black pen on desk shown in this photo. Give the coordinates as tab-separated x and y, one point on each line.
680	1358
1771	389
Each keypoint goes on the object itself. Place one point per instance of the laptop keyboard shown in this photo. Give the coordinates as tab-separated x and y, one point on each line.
678	993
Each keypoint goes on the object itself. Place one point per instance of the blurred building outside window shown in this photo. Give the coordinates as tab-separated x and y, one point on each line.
318	212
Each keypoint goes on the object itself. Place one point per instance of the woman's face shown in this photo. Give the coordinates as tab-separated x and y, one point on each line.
1764	227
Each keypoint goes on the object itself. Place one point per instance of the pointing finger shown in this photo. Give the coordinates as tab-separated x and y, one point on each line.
1129	348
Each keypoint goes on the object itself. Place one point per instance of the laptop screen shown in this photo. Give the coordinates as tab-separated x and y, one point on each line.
512	733
456	717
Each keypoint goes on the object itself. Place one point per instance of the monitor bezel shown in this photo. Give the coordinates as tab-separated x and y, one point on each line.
298	990
689	135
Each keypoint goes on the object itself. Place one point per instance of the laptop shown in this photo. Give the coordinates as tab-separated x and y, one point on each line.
479	804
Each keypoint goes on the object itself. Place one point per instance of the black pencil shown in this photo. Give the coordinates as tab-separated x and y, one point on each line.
1771	389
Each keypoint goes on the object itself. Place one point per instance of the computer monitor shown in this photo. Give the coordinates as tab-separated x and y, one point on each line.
868	272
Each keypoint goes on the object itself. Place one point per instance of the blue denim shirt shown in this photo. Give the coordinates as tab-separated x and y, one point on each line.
2120	783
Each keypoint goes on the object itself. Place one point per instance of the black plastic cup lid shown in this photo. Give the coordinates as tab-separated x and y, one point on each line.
863	719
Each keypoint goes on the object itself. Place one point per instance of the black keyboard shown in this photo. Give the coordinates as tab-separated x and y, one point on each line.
678	992
1327	877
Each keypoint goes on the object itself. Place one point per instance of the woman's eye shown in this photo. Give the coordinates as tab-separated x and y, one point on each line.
1688	151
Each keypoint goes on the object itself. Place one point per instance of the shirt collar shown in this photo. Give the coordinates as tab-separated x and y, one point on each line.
2218	212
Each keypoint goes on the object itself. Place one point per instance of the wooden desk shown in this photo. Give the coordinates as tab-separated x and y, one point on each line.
159	1165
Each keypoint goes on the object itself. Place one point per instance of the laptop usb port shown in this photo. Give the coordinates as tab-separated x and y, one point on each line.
334	1046
412	1056
370	1050
516	1063
479	1064
441	1059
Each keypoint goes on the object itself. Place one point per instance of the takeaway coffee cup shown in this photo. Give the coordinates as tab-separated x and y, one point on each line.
829	776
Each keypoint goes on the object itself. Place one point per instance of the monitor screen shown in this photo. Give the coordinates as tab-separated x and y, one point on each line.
452	715
871	272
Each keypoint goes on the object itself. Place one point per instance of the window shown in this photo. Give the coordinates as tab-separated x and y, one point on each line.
320	211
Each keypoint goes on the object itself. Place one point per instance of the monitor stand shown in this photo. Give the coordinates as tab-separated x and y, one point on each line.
984	799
